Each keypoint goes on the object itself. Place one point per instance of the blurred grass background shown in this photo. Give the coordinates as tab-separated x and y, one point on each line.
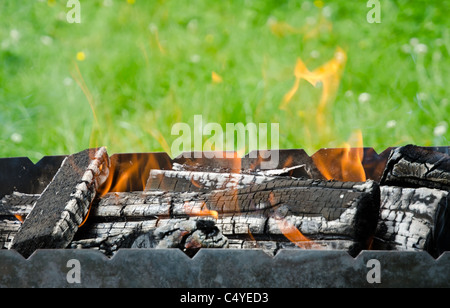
133	68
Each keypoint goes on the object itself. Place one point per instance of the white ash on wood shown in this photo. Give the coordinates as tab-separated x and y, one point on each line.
250	209
187	235
252	163
17	204
272	246
13	210
187	181
414	219
8	229
108	237
413	166
62	207
319	209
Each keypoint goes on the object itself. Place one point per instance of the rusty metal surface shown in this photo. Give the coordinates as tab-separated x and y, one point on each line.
224	268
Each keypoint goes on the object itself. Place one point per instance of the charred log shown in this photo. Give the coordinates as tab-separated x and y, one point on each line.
14	209
413	166
187	235
64	204
186	181
242	204
8	229
414	219
252	163
320	210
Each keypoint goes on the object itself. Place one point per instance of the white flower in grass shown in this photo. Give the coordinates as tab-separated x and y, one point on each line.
391	124
327	11
192	25
14	34
421	48
315	54
306	5
406	48
195	58
364	98
153	28
67	81
414	41
5	44
16	138
439	42
46	40
440	129
422	95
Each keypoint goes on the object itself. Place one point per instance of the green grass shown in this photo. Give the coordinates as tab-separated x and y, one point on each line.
148	65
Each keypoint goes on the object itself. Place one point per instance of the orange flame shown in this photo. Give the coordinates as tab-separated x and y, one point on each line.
123	176
203	211
129	174
289	230
294	235
342	164
329	75
19	218
119	182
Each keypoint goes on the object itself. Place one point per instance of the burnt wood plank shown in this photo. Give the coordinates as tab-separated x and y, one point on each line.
64	203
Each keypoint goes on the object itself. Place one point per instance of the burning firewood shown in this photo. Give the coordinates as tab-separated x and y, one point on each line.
194	206
413	166
64	204
265	208
326	211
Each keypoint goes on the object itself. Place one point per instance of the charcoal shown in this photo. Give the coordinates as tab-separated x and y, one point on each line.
64	204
